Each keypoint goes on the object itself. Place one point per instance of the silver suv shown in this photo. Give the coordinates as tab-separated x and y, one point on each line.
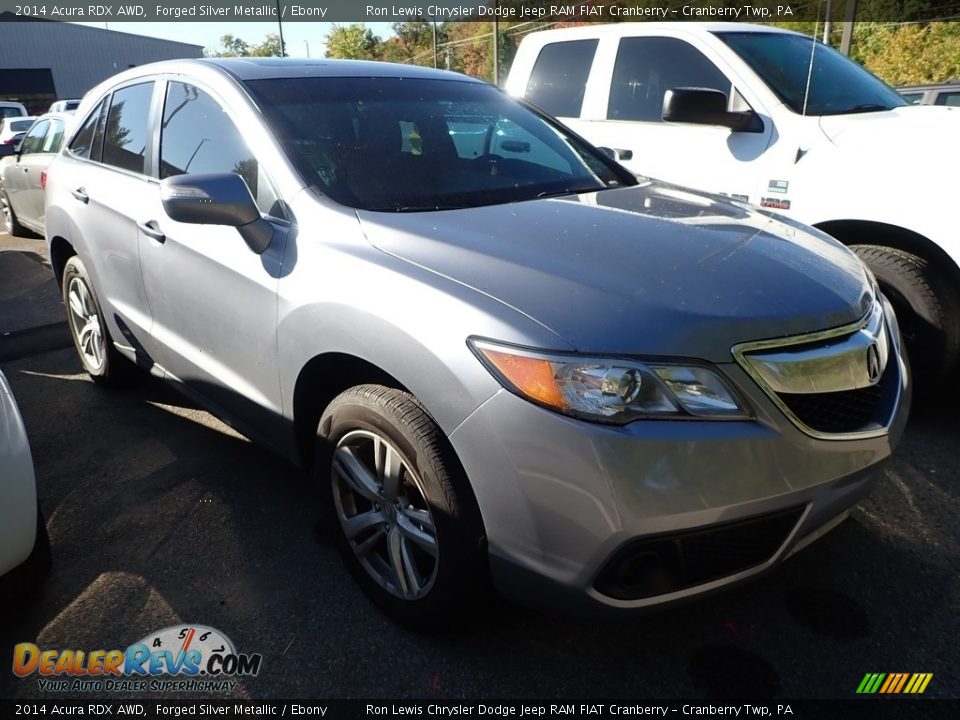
503	358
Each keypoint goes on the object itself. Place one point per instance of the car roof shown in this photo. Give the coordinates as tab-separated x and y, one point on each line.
276	68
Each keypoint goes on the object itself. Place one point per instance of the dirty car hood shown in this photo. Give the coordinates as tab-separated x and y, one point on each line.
652	270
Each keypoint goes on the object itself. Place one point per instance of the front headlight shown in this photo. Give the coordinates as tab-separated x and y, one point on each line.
612	390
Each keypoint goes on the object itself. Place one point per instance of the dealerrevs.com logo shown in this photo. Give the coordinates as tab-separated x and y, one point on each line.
190	658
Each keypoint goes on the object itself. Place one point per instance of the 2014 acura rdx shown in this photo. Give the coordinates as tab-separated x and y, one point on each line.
503	357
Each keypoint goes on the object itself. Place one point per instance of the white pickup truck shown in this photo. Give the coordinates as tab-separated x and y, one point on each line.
770	117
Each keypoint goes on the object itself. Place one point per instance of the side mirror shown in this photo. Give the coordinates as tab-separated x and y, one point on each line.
7	150
702	106
216	199
616	154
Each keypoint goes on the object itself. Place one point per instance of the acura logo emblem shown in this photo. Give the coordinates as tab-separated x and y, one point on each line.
873	364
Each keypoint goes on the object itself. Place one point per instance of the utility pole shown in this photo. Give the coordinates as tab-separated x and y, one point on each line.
827	24
307	43
283	47
848	17
434	23
496	45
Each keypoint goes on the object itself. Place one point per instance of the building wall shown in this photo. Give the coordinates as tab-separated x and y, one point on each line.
78	56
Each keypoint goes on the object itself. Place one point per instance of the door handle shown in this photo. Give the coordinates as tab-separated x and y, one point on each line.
81	195
150	229
624	153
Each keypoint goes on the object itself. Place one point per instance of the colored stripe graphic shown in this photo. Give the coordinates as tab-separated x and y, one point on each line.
894	683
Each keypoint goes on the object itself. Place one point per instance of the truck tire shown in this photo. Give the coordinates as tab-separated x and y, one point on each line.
928	307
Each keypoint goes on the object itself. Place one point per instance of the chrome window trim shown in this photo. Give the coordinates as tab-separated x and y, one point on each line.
742	349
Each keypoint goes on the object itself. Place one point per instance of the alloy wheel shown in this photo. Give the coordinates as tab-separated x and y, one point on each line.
85	323
384	514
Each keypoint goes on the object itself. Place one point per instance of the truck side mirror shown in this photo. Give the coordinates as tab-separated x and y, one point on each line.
703	106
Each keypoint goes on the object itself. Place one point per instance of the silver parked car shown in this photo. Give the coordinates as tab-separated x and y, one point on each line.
24	175
502	357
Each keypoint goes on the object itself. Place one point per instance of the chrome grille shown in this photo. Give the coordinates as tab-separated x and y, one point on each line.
826	383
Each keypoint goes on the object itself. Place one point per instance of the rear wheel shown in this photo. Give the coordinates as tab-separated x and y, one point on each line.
409	528
927	305
88	327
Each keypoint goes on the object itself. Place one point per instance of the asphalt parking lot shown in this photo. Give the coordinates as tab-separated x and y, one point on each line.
159	514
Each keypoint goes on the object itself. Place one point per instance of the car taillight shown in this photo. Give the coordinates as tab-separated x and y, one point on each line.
43	179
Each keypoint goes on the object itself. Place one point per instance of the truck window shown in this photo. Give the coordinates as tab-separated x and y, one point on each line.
647	67
949	98
559	77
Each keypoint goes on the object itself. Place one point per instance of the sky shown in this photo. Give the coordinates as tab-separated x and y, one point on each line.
301	38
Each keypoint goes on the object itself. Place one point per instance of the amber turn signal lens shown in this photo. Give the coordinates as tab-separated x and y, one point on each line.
533	377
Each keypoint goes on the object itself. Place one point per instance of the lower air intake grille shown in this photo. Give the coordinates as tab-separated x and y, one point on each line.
836	412
668	563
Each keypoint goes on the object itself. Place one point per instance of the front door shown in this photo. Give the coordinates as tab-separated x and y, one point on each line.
214	300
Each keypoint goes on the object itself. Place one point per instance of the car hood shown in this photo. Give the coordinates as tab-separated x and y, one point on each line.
918	133
654	269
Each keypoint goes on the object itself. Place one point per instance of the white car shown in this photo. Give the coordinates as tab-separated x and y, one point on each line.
64	106
24	546
12	109
11	127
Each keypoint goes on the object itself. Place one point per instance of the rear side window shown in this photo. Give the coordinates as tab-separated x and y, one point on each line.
54	137
559	77
127	130
20	125
950	98
197	136
647	67
33	141
83	141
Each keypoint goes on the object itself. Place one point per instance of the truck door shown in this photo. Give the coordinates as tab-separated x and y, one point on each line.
624	106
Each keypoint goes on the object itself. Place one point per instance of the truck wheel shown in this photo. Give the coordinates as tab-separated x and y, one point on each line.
927	306
407	523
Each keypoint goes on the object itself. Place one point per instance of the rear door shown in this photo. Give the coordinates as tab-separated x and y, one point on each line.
35	167
16	177
107	174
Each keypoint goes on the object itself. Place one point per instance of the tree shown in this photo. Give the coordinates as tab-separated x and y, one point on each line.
230	46
270	47
352	42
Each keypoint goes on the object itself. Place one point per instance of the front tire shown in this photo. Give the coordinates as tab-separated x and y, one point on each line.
10	217
927	306
88	328
407	523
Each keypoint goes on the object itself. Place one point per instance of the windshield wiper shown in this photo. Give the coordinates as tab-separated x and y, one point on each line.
568	191
865	107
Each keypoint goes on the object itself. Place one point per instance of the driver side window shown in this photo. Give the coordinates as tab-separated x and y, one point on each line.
646	67
197	136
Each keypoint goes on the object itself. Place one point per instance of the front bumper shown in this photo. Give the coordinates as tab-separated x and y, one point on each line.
560	497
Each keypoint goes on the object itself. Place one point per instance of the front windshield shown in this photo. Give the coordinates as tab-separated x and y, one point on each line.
837	84
402	144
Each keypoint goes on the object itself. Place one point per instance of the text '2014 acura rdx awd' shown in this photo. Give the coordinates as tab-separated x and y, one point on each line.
505	359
